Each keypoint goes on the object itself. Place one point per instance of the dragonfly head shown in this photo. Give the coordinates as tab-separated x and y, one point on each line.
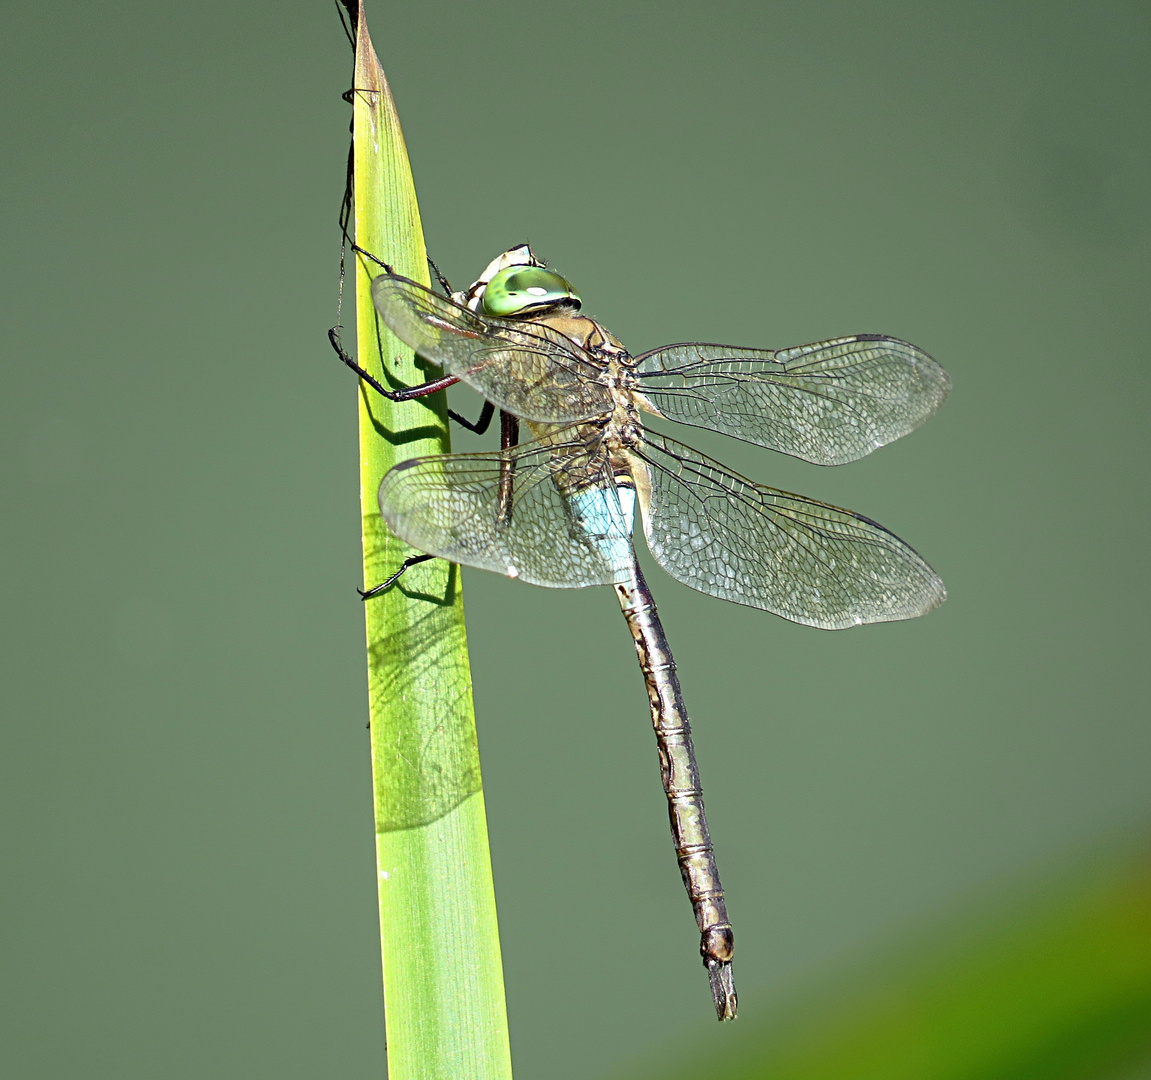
519	290
518	284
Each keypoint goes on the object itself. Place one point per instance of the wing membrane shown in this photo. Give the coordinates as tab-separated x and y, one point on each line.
528	369
828	403
522	512
807	561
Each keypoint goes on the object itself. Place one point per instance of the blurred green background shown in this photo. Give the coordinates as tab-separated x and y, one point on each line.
188	880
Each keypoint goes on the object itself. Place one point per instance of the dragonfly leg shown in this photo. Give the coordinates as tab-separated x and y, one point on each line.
408	392
368	255
405	394
440	277
482	424
388	269
383	586
509	430
509	437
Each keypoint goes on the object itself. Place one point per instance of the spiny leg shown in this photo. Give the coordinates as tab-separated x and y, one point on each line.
383	586
482	424
388	269
440	277
407	393
509	436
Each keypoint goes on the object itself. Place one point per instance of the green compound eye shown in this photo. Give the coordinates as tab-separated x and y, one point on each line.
519	288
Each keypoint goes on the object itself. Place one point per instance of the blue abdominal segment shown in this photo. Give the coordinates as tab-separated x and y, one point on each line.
606	515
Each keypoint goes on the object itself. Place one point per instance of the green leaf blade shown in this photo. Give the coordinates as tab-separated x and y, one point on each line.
443	977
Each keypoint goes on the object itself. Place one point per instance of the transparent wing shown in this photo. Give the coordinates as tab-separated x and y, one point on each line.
807	561
528	369
546	511
829	402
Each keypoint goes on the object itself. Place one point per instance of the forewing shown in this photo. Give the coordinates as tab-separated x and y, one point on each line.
528	369
828	403
511	511
807	561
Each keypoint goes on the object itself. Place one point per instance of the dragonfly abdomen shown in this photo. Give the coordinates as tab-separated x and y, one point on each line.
681	784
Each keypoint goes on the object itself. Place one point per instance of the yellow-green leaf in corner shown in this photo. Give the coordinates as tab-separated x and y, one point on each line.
1051	981
443	979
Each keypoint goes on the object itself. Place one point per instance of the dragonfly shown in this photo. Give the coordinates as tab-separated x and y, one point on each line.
558	510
